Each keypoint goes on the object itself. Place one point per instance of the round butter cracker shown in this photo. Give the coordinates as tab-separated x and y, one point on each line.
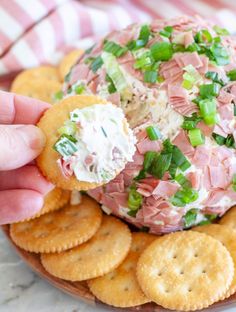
120	288
59	230
98	256
227	237
68	61
229	219
185	271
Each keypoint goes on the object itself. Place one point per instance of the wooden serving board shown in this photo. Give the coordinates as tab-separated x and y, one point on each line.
80	290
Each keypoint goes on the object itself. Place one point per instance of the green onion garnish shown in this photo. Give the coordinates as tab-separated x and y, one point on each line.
196	137
153	133
96	64
179	159
143	35
69	128
234	110
66	146
111	86
182	180
144	61
89	50
150	76
141	175
234	182
167	31
162	51
114	48
58	96
209	90
190	217
160	165
214	77
186	84
209	219
184	196
220	31
203	36
80	89
135	199
219	54
148	160
208	111
191	122
230	141
232	74
220	140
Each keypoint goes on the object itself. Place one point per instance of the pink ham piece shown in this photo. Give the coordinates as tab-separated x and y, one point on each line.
146	145
178	99
185	59
96	193
116	185
66	166
218	176
201	156
165	189
225	97
114	98
205	61
206	130
226	112
195	179
79	72
182	142
188	38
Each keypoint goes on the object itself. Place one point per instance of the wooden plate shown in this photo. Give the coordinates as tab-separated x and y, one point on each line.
80	290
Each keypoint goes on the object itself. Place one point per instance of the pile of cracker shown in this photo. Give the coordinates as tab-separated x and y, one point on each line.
183	271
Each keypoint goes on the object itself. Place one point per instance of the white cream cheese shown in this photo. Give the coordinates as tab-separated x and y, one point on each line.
104	143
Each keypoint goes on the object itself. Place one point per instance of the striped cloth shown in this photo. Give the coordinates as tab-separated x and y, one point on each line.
34	32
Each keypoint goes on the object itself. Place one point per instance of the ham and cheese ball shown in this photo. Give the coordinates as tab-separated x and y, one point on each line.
176	82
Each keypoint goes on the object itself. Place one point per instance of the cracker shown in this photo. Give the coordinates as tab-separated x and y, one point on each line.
51	121
100	255
40	72
41	89
185	271
68	61
59	230
229	218
227	237
120	288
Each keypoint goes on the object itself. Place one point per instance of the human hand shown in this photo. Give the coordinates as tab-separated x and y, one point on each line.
22	186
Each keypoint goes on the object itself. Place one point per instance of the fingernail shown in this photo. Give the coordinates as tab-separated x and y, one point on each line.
32	136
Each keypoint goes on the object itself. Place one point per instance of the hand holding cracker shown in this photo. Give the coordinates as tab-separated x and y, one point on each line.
21	187
88	143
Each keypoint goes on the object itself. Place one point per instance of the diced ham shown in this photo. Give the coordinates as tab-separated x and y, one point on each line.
218	130
206	130
146	145
205	61
225	97
96	193
195	179
201	157
120	198
206	182
223	128
165	189
66	166
226	112
129	67
79	72
182	142
126	58
214	197
114	98
218	176
188	38
108	201
185	59
116	185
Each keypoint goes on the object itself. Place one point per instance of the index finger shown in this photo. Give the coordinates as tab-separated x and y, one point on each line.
18	109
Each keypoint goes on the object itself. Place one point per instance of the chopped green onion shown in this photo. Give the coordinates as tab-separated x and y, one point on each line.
209	90
144	229
111	86
203	36
150	76
214	77
234	110
179	159
167	31
209	219
184	196
80	88
178	47
58	96
234	182
219	54
191	122
114	48
168	146
195	136
141	175
132	213
190	217
89	60
193	47
144	61
96	64
162	51
144	35
230	141
232	74
182	180
186	84
220	140
148	159
153	133
89	50
208	111
67	76
66	146
69	128
220	31
135	199
160	165
114	72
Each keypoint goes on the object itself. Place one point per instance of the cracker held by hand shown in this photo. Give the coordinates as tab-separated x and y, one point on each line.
100	255
59	230
88	143
185	271
120	287
227	237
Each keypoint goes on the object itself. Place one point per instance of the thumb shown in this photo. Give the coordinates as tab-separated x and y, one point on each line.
19	144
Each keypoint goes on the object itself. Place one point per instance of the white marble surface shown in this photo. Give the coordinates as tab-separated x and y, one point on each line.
22	291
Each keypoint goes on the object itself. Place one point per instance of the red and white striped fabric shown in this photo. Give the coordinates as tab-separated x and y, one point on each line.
34	32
